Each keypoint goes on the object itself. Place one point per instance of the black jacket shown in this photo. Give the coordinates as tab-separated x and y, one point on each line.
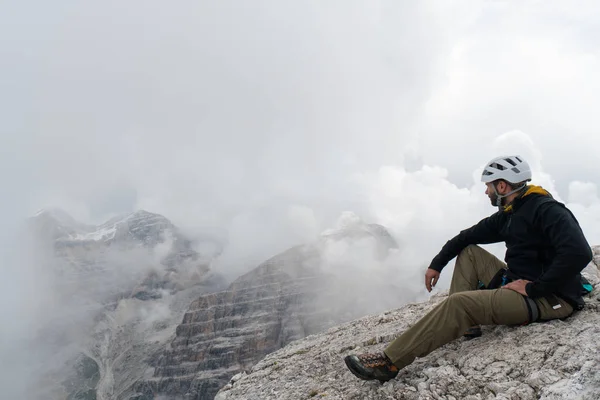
544	244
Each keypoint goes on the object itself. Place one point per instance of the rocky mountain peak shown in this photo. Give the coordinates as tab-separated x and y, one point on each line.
131	244
145	217
54	223
145	227
140	226
58	215
350	227
290	296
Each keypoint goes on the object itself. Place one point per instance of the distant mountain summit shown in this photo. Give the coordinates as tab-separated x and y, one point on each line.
85	245
141	226
295	294
54	223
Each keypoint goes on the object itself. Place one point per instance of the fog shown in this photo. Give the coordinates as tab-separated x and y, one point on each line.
266	121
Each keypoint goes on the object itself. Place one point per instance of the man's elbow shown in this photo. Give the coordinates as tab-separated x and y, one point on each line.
582	258
590	254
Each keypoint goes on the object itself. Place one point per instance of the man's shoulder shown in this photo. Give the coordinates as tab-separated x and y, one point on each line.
547	206
536	200
539	200
537	205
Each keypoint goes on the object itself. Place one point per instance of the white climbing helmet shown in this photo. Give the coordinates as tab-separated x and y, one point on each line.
513	169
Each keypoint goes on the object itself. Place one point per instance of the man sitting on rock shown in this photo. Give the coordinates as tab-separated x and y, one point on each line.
546	251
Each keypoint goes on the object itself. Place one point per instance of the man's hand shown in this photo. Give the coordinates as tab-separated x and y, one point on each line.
518	286
431	278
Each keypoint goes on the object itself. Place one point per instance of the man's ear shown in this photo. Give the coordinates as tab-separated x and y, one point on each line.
502	186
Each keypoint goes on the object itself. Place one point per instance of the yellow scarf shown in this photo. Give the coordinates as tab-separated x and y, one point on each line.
530	189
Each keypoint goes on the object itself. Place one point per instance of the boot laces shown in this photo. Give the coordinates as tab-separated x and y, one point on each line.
373	360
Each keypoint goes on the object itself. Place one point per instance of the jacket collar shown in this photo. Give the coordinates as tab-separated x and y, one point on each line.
528	190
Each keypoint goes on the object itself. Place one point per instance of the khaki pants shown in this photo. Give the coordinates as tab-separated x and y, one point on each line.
466	307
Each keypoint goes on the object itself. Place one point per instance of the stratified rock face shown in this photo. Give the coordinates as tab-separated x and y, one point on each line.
284	299
551	360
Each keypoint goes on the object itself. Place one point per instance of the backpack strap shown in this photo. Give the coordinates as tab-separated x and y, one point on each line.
532	309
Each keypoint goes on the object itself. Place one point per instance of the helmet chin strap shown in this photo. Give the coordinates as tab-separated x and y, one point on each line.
499	197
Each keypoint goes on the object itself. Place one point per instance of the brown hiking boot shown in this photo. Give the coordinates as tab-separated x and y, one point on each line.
371	366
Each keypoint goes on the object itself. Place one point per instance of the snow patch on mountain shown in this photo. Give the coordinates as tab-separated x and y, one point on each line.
102	234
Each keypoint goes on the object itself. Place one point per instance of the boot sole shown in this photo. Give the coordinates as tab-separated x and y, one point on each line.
356	373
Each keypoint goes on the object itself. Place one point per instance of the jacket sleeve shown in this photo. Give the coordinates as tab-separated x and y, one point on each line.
573	253
485	231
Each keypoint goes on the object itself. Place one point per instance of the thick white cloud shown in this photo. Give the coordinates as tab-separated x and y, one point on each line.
521	65
583	193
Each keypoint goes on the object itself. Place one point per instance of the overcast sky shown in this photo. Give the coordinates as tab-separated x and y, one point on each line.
263	118
267	116
203	110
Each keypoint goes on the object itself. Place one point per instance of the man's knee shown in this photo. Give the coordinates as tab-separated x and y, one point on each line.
469	250
463	304
473	249
557	308
460	298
